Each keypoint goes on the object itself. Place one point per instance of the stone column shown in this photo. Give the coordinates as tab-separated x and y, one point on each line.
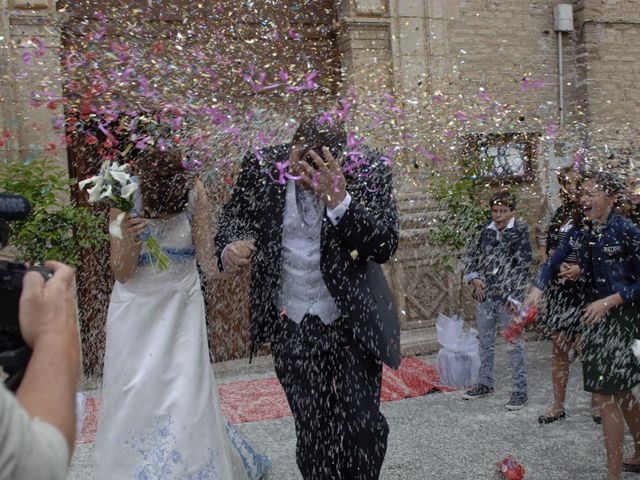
385	46
365	43
31	82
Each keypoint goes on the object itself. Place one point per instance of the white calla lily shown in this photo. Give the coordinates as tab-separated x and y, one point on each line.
115	227
128	190
107	192
94	179
121	177
104	169
95	193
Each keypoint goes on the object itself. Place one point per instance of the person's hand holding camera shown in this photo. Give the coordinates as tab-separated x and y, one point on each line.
48	309
48	325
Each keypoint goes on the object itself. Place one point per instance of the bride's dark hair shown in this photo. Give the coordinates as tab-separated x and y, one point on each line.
164	183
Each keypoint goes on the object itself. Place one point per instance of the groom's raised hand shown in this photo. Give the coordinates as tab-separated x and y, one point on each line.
237	254
327	181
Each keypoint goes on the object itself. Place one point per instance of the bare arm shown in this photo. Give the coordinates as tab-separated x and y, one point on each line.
203	234
48	324
126	250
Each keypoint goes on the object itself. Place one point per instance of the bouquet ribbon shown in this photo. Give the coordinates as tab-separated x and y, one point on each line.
159	258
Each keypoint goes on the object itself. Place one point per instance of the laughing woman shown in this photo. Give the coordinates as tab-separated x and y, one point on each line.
610	260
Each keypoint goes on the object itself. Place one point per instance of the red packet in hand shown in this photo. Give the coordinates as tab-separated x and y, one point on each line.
523	317
511	469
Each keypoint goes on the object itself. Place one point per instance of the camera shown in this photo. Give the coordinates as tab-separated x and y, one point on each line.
14	352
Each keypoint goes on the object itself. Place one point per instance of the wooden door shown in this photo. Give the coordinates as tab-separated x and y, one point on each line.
213	55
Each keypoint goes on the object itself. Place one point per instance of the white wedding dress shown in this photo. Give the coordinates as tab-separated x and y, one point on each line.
160	416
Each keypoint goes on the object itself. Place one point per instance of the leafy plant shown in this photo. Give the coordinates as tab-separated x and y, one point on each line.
54	230
464	213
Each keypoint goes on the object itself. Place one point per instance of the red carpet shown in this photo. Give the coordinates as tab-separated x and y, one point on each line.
264	399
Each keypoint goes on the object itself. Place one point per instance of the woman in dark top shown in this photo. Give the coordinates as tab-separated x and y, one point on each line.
609	256
564	300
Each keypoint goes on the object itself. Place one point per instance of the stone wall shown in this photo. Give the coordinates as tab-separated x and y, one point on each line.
458	48
608	37
27	66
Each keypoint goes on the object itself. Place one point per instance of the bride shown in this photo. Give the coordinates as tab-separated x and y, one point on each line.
160	416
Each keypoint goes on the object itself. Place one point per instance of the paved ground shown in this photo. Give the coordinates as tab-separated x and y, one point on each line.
442	436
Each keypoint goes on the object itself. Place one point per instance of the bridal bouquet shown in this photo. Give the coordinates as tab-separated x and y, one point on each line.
115	186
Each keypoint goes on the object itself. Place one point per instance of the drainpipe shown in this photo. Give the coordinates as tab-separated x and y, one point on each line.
563	23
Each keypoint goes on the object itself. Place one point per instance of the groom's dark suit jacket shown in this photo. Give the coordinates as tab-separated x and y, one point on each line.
351	251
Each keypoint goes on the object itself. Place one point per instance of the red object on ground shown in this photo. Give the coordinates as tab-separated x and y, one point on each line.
264	399
511	469
522	318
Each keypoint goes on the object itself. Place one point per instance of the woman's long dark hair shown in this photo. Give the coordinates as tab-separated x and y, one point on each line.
164	183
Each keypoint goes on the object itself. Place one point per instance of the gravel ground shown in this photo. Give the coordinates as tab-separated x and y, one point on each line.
442	436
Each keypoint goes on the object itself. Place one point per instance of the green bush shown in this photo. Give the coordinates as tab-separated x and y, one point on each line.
54	229
459	197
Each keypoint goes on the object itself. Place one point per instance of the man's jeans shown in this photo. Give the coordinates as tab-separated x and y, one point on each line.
488	314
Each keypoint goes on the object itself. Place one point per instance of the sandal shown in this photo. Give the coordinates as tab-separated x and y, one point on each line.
547	419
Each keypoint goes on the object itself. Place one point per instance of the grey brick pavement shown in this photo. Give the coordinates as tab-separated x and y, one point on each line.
442	436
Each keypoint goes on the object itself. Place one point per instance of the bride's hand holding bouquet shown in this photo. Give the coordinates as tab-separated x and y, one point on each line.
115	186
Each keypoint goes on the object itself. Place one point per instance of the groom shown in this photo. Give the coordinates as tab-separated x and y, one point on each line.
315	239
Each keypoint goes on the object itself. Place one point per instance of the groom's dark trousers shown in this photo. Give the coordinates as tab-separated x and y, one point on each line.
332	383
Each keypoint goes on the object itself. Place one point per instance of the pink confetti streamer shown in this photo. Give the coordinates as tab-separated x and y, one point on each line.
357	159
308	83
191	164
353	141
537	84
293	35
325	118
142	143
387	160
102	18
336	180
551	129
431	156
283	175
483	95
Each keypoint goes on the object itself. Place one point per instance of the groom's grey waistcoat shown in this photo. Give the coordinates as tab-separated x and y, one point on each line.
302	288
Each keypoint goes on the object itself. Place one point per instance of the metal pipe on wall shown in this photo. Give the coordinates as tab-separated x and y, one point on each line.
560	81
